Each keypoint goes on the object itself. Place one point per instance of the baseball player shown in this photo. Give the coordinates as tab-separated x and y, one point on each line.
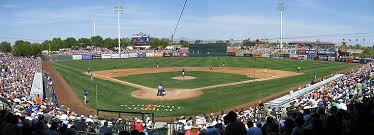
114	68
265	69
183	72
315	75
160	88
88	70
85	95
157	65
298	69
91	76
211	67
223	64
174	66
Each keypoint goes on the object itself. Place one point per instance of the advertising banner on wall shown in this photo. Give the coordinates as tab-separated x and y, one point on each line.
106	56
77	57
176	54
158	54
87	57
150	55
331	58
291	51
126	55
167	54
141	55
133	55
240	53
326	52
303	57
324	58
330	52
301	52
257	55
295	57
266	55
115	56
183	54
96	56
310	52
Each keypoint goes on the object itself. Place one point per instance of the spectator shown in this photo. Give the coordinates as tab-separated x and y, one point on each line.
105	129
193	131
254	130
234	127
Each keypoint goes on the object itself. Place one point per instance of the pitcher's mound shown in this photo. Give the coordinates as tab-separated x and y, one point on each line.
183	78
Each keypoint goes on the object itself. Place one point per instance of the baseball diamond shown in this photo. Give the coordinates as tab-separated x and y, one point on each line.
135	80
186	67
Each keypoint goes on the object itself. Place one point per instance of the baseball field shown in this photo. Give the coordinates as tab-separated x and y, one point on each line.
130	84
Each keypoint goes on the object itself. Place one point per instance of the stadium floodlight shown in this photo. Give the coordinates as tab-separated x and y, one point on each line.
94	26
281	8
119	10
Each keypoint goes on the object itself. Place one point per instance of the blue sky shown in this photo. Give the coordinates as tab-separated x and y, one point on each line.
203	19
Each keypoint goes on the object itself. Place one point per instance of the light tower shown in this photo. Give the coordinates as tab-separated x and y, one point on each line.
281	8
119	10
94	26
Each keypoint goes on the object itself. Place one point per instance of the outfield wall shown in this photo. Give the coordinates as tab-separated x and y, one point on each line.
300	55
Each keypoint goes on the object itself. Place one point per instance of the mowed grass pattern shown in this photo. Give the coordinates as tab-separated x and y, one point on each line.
203	79
112	95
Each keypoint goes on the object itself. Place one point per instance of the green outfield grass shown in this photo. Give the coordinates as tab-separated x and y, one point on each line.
112	95
202	79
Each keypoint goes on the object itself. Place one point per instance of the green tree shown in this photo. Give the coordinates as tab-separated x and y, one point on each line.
97	41
154	42
368	51
109	43
357	46
198	41
220	41
247	42
56	44
45	45
69	42
164	42
21	48
35	49
84	42
183	43
5	47
125	42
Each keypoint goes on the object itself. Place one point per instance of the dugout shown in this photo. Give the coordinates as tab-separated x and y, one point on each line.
208	49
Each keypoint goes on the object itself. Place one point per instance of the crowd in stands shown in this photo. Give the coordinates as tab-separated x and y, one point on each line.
342	107
39	115
257	50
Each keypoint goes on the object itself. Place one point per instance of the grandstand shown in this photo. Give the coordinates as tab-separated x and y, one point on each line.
151	85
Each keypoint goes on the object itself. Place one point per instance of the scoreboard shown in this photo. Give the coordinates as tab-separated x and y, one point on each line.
140	39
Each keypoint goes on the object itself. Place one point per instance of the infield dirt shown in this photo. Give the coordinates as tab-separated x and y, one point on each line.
143	92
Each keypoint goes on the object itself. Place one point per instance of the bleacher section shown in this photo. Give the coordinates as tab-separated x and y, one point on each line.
285	100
